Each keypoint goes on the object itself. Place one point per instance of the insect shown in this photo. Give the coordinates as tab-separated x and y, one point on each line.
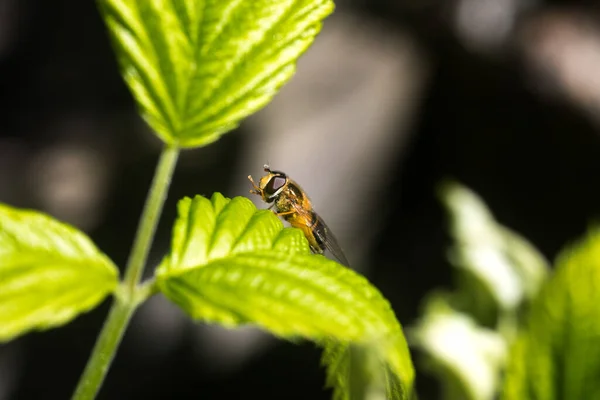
290	202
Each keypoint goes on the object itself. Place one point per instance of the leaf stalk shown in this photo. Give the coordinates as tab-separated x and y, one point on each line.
127	300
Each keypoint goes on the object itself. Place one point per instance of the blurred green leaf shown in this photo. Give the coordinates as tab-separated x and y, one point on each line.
49	272
464	334
558	354
362	371
465	356
505	263
197	67
529	264
234	265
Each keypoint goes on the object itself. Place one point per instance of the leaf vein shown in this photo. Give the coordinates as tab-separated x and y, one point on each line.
256	47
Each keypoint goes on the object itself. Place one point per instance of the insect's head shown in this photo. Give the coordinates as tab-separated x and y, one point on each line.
270	185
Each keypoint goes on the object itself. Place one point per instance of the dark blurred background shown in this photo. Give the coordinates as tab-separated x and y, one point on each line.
395	95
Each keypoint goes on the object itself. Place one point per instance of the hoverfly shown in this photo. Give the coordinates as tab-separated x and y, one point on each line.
290	202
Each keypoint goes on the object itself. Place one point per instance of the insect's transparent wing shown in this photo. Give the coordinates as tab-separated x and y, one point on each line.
325	236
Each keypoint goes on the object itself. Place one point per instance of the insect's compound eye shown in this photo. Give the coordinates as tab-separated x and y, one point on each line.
274	184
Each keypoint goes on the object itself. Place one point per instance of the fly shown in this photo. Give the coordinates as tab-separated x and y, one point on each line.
288	200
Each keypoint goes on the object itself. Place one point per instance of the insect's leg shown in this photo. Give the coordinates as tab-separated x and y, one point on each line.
281	214
316	250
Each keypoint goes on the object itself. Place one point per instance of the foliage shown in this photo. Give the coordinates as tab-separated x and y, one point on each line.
557	355
196	68
234	265
49	272
507	320
466	333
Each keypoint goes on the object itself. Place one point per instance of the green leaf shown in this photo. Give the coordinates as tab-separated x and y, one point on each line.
557	356
197	67
208	230
362	371
234	265
464	334
49	272
466	357
500	268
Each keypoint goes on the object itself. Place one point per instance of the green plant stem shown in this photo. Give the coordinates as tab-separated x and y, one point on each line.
150	216
126	301
104	350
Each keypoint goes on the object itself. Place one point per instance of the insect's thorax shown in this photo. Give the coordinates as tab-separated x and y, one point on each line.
292	198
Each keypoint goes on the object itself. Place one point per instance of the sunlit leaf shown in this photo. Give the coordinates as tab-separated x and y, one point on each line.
558	354
209	230
234	265
49	272
197	67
